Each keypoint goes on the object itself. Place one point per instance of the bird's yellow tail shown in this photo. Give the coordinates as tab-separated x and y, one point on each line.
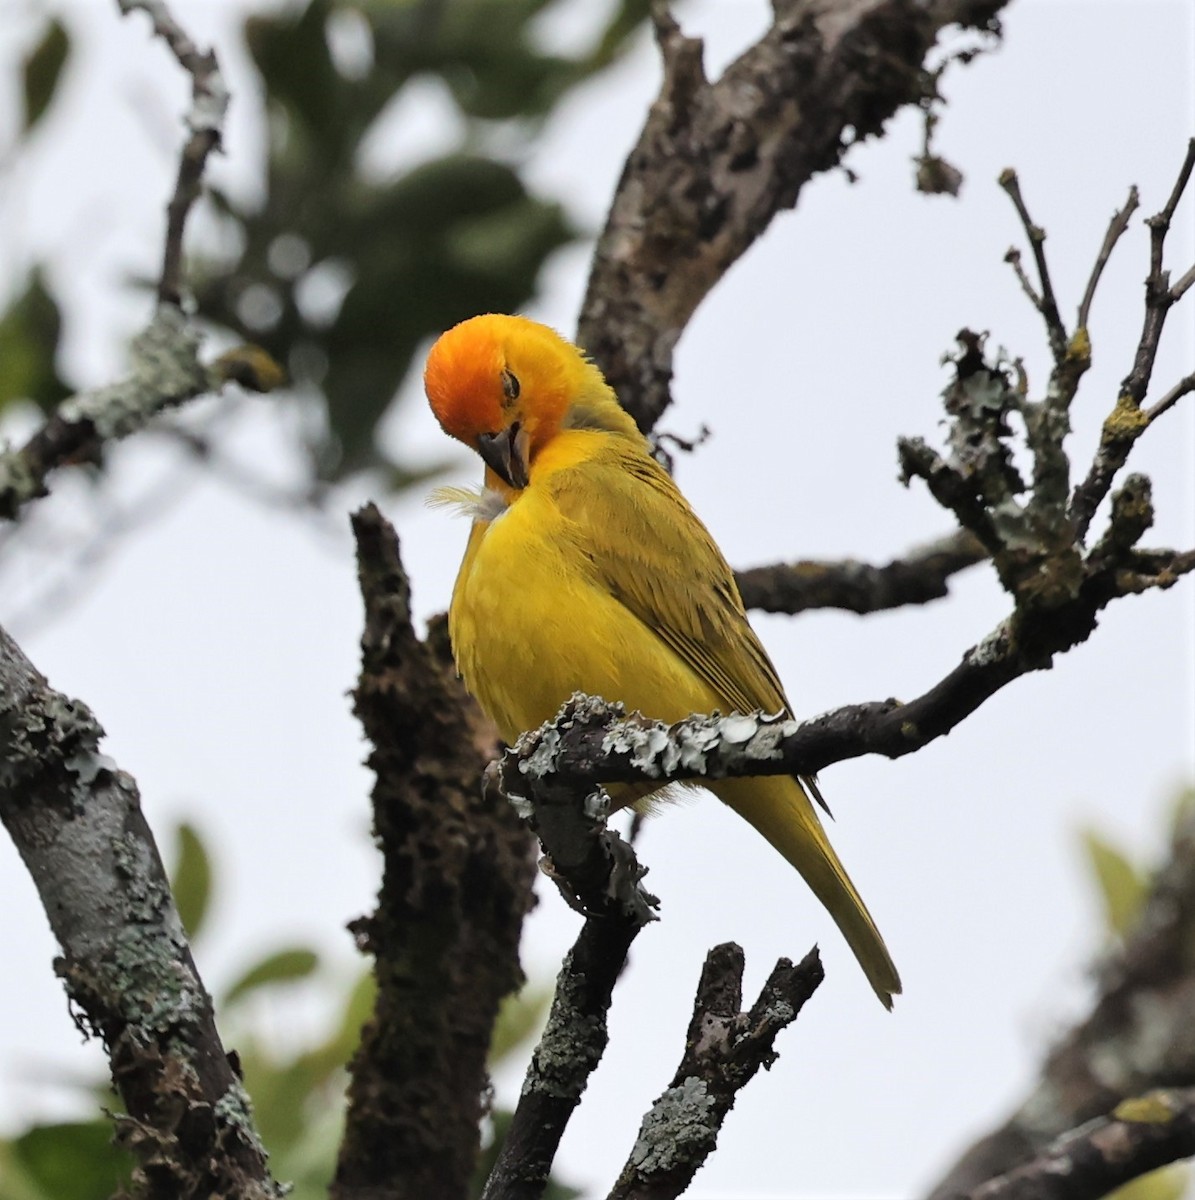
778	807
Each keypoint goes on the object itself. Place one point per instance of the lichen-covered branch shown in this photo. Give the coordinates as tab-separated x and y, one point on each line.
76	820
165	367
716	161
599	875
1138	1036
1138	1136
456	883
724	1049
166	372
922	575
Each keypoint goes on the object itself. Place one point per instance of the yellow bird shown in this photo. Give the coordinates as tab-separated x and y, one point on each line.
586	570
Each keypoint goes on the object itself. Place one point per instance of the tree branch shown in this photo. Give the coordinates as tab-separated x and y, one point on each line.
724	1049
599	875
1138	1035
922	575
1127	422
166	372
1139	1136
456	884
127	968
587	743
209	103
715	162
1116	230
1044	301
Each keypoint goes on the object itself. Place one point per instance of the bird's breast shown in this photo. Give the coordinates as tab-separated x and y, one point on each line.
532	623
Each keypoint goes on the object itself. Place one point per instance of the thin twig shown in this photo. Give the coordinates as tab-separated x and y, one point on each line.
590	741
1116	230
1183	285
1046	303
1158	296
205	120
1171	398
1127	422
1159	223
1012	256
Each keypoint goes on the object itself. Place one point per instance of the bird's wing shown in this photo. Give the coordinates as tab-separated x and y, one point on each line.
654	555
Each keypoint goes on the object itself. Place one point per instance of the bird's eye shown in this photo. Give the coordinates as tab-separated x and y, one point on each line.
510	385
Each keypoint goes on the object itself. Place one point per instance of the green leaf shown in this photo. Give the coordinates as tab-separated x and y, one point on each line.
29	333
1121	885
191	879
42	70
70	1161
283	966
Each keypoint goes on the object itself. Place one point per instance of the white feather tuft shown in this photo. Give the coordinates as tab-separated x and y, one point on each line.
476	503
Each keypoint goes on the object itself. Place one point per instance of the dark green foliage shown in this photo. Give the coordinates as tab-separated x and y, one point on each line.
344	273
41	72
287	965
29	332
191	879
74	1160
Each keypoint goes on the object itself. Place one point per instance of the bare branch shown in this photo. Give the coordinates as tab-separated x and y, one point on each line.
1158	297
1140	1135
209	103
165	369
166	372
1045	303
1159	224
922	575
1183	285
723	1051
1116	230
1127	422
715	163
599	875
456	883
1012	256
127	967
1184	387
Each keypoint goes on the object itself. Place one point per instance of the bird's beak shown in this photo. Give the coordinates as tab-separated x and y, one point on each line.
505	454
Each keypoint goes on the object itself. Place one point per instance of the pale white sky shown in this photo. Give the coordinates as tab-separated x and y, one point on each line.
217	642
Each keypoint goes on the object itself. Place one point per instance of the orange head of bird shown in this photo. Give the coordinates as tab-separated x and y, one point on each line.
502	385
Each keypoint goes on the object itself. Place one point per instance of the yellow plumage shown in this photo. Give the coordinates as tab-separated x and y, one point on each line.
586	570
